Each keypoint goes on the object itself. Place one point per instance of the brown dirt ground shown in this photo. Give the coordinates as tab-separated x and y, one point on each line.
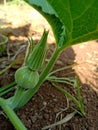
45	105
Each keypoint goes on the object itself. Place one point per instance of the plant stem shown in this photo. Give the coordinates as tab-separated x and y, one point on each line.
16	98
61	69
49	66
12	115
66	93
8	67
81	106
5	89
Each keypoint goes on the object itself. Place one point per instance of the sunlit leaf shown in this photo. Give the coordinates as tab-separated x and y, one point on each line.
78	18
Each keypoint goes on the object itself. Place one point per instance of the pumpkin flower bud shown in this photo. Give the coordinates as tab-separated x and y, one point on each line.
26	78
37	57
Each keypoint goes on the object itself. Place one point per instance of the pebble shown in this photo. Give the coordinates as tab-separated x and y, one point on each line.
46	116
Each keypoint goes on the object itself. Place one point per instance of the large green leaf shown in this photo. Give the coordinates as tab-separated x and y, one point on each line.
49	13
76	19
80	17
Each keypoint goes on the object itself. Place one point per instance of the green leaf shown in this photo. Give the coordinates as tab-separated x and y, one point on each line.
76	19
49	13
80	18
85	26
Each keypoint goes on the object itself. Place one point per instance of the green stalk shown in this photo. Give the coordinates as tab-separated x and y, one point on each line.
49	66
60	80
81	106
6	91
7	88
16	98
29	93
12	115
61	69
66	93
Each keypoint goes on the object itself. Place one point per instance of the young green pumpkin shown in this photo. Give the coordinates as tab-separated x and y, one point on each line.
26	78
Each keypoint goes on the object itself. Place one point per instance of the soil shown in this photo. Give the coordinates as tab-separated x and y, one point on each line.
49	105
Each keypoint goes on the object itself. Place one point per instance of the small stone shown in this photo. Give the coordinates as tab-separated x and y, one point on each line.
46	116
55	100
44	103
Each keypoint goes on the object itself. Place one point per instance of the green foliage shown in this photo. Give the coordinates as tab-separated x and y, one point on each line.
72	22
68	81
78	18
